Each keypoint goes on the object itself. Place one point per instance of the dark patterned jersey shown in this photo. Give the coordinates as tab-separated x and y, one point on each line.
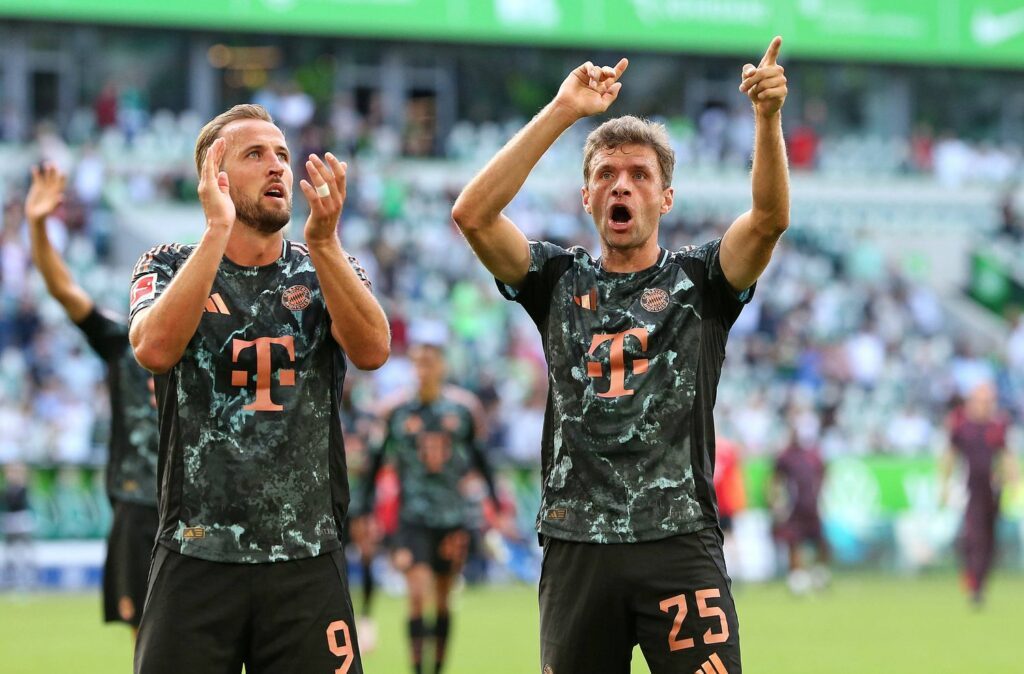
634	360
980	443
252	460
132	460
434	445
357	425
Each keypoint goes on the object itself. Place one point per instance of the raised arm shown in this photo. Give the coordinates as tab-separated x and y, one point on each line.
160	333
358	323
500	245
748	244
45	195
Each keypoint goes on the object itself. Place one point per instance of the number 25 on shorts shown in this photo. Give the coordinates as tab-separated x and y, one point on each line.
704	611
342	650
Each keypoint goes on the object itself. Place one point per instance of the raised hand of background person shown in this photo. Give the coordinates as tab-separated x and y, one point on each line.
590	89
45	194
214	189
765	84
324	211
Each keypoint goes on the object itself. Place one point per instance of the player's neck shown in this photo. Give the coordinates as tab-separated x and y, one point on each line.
429	394
625	260
249	247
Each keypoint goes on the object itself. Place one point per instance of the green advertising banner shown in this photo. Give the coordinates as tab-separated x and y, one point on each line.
968	32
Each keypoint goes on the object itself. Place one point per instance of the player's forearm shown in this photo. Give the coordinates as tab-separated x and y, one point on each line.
160	336
59	282
491	190
770	177
358	321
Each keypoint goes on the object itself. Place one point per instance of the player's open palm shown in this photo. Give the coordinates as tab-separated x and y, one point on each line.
765	84
214	190
590	89
46	192
325	191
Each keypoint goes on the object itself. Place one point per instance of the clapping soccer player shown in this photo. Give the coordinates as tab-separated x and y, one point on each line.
248	334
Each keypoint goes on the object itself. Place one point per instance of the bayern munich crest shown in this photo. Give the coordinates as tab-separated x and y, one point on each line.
296	298
654	300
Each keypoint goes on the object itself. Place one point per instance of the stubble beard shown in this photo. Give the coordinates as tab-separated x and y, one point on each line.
258	217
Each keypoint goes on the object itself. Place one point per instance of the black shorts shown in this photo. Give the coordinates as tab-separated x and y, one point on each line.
129	553
443	549
206	617
672	597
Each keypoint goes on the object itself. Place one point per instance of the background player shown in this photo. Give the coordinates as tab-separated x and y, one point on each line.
978	436
634	342
797	479
249	333
434	434
132	460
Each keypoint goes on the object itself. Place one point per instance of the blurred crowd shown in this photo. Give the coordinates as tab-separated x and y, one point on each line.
838	347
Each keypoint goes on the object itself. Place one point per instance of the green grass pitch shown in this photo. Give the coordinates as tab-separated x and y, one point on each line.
864	623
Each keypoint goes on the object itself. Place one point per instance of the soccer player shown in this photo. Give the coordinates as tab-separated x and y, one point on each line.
978	435
434	433
634	341
248	334
132	460
797	478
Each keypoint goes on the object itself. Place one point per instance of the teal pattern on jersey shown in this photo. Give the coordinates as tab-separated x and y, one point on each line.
132	461
432	444
252	455
634	360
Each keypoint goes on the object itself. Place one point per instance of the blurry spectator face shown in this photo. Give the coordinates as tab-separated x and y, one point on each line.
429	363
257	163
625	196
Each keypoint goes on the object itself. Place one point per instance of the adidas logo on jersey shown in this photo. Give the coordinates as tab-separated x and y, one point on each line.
714	665
215	305
587	301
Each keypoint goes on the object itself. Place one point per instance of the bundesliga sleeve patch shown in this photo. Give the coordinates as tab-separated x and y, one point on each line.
144	288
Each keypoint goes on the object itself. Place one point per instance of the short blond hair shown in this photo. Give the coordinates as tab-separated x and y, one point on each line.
211	131
631	130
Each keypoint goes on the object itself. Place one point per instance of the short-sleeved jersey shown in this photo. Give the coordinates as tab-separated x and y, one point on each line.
252	460
132	460
979	442
433	445
634	361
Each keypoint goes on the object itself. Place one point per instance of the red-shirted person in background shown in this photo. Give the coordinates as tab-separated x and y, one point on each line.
728	478
978	435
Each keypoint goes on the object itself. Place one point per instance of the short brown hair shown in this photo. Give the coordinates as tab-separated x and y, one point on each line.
630	130
211	131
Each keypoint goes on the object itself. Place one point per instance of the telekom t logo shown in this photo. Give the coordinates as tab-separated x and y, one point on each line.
264	371
617	360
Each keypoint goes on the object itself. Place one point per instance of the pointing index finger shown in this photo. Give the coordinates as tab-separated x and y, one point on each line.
772	55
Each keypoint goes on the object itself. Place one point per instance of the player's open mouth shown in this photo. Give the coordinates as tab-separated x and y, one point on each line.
275	192
619	217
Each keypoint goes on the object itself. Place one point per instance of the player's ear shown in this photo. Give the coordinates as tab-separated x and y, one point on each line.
586	198
668	199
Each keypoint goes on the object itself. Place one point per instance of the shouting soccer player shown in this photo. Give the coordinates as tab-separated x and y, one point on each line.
635	341
978	433
434	433
248	334
132	459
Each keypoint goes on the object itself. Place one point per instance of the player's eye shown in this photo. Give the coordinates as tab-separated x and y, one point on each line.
283	156
254	154
639	175
606	175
